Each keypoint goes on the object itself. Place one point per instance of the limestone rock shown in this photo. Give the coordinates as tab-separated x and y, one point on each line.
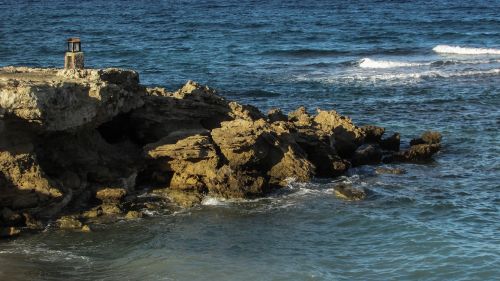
247	112
182	198
275	115
25	183
373	134
8	217
193	107
367	154
111	209
428	137
69	222
244	143
235	183
8	232
348	192
347	136
110	195
258	146
417	153
134	215
91	214
59	100
320	152
391	143
86	228
300	117
387	170
191	160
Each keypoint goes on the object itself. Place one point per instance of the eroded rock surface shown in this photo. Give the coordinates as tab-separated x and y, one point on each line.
99	147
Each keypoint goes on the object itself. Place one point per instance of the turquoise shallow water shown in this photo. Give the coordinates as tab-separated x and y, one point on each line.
376	61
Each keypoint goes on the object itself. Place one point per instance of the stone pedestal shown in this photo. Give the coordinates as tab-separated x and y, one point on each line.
73	60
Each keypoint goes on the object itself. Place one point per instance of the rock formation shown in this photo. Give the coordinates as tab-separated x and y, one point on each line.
77	146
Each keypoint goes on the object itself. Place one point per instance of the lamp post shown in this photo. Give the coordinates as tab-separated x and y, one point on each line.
73	59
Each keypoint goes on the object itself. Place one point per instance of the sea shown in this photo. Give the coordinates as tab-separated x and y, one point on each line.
408	66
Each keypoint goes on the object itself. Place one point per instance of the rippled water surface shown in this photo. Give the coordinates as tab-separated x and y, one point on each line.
406	65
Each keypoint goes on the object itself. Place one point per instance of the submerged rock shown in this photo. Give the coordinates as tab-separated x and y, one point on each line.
348	192
387	170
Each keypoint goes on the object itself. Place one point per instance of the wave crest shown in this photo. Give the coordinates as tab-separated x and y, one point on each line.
446	49
369	63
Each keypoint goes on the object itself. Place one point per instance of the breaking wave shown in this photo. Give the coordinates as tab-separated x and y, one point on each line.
402	77
446	49
370	63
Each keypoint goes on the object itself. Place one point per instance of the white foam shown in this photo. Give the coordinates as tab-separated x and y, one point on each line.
402	77
446	49
370	63
212	201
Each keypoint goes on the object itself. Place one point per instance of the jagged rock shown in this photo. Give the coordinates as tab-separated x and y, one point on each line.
193	107
300	117
367	154
32	223
8	232
59	100
111	195
391	143
11	218
244	143
428	137
246	112
320	152
69	222
275	115
257	146
86	228
292	165
417	153
111	209
348	192
91	214
183	198
25	183
134	215
235	183
191	160
373	134
347	136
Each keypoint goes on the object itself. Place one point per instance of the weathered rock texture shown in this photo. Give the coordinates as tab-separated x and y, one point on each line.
85	143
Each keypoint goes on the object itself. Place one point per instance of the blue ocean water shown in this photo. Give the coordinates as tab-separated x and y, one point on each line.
406	65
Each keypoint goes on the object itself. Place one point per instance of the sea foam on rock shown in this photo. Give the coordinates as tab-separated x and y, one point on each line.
86	142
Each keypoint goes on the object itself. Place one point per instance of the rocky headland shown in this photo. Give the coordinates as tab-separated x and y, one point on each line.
84	146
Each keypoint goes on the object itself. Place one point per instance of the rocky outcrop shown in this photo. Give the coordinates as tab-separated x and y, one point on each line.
59	100
87	143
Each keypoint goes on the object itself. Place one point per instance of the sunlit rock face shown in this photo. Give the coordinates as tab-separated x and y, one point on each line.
87	143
